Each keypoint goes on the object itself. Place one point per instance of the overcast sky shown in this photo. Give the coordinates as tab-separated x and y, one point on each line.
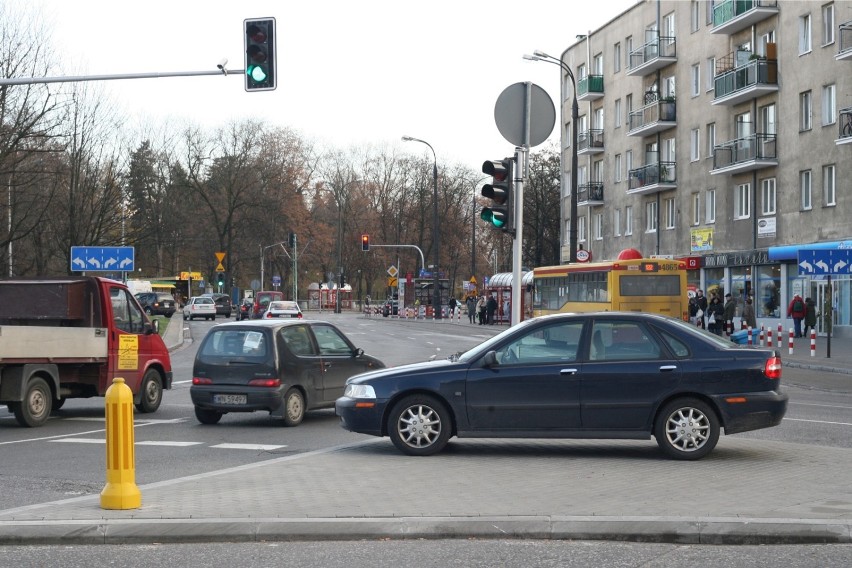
349	73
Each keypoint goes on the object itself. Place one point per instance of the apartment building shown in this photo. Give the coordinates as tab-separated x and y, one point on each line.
718	132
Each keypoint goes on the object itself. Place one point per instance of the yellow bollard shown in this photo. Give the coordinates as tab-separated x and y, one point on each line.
120	491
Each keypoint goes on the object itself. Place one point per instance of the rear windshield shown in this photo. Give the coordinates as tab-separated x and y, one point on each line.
283	306
164	298
231	342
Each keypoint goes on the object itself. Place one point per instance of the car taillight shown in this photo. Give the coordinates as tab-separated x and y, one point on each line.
265	382
268	315
201	381
299	316
772	370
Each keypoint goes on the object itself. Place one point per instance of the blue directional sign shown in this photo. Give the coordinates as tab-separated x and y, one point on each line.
814	262
102	259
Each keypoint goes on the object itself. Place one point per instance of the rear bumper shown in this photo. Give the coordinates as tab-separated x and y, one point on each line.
256	398
760	410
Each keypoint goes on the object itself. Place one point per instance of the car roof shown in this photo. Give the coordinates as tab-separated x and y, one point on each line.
269	323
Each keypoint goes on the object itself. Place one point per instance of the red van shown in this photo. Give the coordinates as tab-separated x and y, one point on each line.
262	299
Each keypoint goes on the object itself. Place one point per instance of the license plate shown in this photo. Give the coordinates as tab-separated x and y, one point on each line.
229	398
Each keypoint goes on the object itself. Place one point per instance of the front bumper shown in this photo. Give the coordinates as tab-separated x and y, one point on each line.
360	419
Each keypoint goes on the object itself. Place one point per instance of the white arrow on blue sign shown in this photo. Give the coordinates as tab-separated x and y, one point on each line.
102	259
817	262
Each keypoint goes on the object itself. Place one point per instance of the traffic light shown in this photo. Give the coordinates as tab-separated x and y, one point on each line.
500	213
292	240
342	280
260	54
220	279
365	242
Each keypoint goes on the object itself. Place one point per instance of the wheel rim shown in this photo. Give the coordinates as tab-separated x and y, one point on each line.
687	429
294	407
152	391
419	426
37	403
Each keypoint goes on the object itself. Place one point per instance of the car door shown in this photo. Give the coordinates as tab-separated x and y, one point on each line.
338	358
535	384
129	346
627	372
301	361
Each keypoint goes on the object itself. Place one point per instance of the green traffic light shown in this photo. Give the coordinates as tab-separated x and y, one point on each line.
257	73
496	218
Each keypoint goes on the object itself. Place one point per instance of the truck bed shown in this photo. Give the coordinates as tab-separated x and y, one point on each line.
52	343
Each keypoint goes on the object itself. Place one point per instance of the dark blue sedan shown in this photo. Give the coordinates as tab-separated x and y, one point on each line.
605	375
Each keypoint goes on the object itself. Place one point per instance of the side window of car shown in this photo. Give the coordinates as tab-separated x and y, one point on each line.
330	341
557	343
678	347
614	340
298	340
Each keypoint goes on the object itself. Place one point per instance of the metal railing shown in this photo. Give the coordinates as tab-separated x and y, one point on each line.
845	40
593	191
593	138
652	174
844	122
727	10
660	47
591	83
664	110
754	147
755	72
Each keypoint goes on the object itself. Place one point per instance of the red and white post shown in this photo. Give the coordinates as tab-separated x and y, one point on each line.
750	336
762	332
790	343
769	337
813	343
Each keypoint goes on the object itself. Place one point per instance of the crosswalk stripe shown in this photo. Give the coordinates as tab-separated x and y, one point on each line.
254	447
261	447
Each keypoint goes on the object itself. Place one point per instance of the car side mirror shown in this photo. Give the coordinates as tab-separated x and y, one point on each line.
153	327
490	359
358	352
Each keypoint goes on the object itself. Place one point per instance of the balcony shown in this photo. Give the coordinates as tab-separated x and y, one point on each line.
652	118
590	193
844	49
590	88
845	123
731	16
590	142
746	154
747	82
653	178
652	56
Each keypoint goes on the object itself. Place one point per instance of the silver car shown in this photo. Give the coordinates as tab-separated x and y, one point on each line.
283	309
199	307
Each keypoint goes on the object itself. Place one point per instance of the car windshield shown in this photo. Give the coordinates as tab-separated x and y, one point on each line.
489	344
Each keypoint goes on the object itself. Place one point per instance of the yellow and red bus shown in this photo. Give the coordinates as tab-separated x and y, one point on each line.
650	285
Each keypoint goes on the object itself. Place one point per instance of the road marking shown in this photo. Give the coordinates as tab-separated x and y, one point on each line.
260	447
818	421
163	443
253	447
80	441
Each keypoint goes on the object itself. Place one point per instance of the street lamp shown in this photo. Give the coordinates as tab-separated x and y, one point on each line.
575	115
436	234
339	200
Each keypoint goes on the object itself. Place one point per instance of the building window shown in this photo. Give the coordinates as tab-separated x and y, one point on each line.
695	145
828	194
805	121
827	24
710	82
616	221
616	58
711	139
617	168
628	48
710	208
805	190
742	201
628	108
768	196
628	220
628	160
581	228
598	64
618	113
767	119
804	34
694	16
709	5
651	217
696	80
671	211
696	208
597	226
829	105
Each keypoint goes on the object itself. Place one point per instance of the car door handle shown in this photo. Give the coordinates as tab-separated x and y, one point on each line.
666	368
568	372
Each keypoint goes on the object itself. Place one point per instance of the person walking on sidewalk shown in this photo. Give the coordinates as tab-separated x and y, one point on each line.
491	308
480	309
810	315
730	311
748	314
702	315
796	310
471	308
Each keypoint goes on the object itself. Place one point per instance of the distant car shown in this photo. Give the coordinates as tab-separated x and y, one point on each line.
157	303
223	304
391	307
262	299
623	375
199	307
246	309
283	366
282	309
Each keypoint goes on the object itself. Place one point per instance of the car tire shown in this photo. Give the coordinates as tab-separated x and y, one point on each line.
185	317
151	392
419	425
168	316
687	429
294	407
148	310
207	416
35	409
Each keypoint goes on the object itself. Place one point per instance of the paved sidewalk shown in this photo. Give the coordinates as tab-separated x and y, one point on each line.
748	490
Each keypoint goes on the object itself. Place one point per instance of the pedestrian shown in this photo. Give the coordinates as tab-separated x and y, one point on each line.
491	308
693	311
810	315
701	314
480	309
452	305
729	312
748	314
471	308
715	315
796	310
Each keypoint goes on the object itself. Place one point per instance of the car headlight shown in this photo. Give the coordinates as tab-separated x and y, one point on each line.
359	391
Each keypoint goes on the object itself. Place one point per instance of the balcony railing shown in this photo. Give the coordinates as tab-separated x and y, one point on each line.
652	176
589	193
590	141
653	55
749	153
845	123
844	49
758	77
590	88
731	16
651	118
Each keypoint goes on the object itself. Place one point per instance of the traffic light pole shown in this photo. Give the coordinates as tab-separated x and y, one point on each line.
519	172
80	78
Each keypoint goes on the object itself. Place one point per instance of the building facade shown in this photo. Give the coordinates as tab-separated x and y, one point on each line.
719	132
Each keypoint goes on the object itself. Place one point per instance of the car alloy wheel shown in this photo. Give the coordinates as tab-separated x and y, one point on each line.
419	425
687	429
294	407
